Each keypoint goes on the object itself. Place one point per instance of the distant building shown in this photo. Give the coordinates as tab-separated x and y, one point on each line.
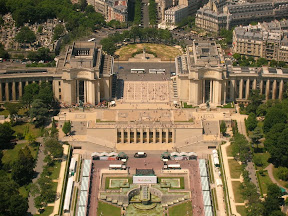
111	9
218	14
176	14
266	40
84	75
173	12
202	76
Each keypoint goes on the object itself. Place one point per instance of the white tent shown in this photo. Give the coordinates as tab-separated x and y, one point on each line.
219	182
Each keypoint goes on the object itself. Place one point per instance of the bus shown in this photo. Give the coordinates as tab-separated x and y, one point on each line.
91	39
157	71
137	71
117	167
172	166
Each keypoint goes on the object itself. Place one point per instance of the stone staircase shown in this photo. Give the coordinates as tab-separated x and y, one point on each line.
175	90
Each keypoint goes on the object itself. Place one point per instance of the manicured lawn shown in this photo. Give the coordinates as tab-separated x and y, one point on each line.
265	157
10	155
181	209
235	168
162	51
47	211
264	180
283	183
182	186
105	209
4	112
22	127
55	170
229	151
241	210
236	190
107	181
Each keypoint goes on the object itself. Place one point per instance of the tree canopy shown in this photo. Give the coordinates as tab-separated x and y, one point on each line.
25	35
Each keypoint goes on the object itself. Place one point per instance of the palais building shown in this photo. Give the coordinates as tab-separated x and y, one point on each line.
85	74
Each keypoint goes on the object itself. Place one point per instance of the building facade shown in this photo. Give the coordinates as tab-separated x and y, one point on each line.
265	40
218	14
202	76
83	75
176	14
111	9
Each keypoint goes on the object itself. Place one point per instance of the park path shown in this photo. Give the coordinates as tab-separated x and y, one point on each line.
231	195
38	169
269	169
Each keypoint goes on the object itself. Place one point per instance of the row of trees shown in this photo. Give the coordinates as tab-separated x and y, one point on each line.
244	61
137	12
143	34
270	206
152	12
12	203
74	15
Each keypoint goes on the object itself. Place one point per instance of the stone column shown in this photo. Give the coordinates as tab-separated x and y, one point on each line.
232	90
26	83
135	135
261	87
274	89
254	84
20	89
160	135
241	89
167	132
141	136
281	90
267	89
7	91
247	89
13	91
224	87
122	135
173	136
1	94
211	86
148	135
203	91
128	135
154	135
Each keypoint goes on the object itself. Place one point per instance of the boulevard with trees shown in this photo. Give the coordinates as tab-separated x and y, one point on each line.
137	34
19	159
268	137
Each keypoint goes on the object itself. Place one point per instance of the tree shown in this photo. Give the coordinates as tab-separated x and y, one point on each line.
25	35
223	128
256	136
18	205
6	135
30	93
22	169
11	202
237	56
282	173
38	112
273	63
66	127
261	62
54	147
30	138
59	31
46	94
251	122
274	115
258	160
255	101
255	208
3	53
108	46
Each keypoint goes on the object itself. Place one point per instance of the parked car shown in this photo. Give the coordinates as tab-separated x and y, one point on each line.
140	155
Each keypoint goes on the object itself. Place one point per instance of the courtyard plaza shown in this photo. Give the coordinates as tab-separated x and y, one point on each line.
191	175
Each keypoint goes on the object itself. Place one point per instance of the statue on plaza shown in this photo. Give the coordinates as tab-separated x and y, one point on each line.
208	103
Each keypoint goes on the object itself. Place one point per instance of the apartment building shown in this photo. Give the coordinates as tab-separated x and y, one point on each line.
218	14
267	40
